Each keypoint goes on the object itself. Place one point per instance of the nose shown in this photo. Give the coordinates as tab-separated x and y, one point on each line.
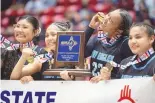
19	29
133	41
50	38
99	28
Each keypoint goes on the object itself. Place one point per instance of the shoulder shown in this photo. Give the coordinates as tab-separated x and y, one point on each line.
93	38
126	60
124	40
89	30
40	50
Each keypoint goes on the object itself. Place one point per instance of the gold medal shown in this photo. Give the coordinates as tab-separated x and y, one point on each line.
30	59
100	18
109	66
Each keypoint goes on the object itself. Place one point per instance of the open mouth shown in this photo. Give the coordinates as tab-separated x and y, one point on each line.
20	35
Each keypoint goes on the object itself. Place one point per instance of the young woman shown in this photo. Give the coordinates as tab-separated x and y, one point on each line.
37	66
142	44
25	31
111	43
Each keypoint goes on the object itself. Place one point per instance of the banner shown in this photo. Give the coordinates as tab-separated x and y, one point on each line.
138	90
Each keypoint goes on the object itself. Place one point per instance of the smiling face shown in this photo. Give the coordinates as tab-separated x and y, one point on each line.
23	31
139	40
111	22
51	36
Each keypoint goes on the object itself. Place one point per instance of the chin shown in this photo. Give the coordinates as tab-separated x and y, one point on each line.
134	52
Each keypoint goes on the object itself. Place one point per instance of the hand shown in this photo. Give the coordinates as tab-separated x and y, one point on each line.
26	79
27	53
105	73
154	77
65	75
96	79
94	23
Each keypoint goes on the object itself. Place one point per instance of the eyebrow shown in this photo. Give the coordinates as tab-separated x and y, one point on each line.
136	34
22	24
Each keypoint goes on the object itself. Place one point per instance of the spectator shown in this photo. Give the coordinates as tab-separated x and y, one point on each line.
37	6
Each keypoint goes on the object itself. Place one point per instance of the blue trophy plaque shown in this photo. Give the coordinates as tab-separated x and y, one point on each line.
70	49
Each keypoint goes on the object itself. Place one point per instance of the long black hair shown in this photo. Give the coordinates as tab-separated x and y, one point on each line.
126	22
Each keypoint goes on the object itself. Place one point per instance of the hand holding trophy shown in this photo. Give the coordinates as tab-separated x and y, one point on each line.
106	71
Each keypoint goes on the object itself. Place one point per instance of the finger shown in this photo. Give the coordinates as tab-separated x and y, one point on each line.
94	80
23	80
29	79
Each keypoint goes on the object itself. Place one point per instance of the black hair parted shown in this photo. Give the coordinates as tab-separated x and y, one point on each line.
149	28
32	20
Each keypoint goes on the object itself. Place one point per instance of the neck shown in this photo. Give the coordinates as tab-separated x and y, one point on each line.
150	50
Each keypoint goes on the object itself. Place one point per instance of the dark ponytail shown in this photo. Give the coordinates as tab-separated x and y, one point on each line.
126	22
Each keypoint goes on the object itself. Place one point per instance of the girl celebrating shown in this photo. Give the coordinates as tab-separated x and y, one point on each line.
25	31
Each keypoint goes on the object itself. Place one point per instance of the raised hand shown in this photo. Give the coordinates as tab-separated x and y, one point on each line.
27	53
105	73
65	75
96	20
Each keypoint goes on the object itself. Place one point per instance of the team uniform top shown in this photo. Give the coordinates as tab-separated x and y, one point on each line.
138	67
103	50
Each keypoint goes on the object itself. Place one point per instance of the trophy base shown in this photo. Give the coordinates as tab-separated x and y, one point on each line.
75	72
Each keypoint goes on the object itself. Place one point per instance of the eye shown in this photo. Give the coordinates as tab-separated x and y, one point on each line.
130	37
138	37
53	34
17	26
46	35
25	27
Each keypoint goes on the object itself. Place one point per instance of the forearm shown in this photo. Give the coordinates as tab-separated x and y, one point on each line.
17	70
89	31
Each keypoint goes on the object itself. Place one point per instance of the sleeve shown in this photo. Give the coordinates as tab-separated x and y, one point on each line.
125	50
88	41
90	45
3	56
89	31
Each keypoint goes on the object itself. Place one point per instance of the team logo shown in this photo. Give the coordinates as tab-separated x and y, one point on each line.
126	94
71	43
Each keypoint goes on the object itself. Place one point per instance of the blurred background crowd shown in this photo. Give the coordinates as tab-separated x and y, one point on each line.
79	12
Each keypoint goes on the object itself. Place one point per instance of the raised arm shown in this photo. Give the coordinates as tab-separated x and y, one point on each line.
94	23
20	70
